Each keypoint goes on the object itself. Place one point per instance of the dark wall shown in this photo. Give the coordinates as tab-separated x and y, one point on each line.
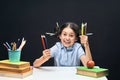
30	19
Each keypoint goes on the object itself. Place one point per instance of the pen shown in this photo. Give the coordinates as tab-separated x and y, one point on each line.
57	24
88	34
8	45
5	46
51	34
18	43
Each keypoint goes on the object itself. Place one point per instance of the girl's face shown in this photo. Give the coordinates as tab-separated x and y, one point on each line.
67	37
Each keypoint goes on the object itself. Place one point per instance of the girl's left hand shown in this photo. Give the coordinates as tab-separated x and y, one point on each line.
83	39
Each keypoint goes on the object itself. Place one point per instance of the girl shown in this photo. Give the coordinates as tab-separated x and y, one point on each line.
67	52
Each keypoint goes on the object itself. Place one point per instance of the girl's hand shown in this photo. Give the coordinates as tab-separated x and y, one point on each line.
84	39
46	53
46	56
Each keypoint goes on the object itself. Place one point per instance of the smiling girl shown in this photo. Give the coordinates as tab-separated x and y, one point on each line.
69	51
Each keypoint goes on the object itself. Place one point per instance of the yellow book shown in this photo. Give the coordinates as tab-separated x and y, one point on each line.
16	70
16	75
20	64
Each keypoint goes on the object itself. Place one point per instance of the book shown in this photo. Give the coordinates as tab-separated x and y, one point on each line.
20	69
94	72
16	75
20	64
16	70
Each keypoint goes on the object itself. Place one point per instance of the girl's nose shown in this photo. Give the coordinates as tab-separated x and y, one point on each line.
67	37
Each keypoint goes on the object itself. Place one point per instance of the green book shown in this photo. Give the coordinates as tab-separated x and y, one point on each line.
92	72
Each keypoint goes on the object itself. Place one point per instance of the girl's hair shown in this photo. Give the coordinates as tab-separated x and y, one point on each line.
72	25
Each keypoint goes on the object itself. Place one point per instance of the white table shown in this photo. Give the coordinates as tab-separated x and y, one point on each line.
60	73
55	73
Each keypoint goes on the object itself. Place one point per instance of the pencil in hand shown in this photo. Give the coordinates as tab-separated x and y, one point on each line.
44	42
84	29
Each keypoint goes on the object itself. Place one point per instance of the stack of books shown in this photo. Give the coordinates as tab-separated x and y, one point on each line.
20	69
92	72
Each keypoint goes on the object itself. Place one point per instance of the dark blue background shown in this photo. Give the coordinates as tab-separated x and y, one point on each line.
31	18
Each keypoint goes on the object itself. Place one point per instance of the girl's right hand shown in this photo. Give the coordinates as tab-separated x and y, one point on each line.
46	53
46	56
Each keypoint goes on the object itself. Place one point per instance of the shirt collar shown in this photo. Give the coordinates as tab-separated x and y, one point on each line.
67	48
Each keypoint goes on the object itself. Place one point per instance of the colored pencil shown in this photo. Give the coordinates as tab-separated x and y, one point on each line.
43	41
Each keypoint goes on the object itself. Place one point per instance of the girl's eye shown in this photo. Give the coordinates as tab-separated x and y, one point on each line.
71	35
64	34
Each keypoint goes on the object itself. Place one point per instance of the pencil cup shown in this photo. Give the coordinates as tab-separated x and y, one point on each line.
14	55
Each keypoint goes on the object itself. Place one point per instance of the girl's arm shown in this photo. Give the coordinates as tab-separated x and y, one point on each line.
87	56
45	57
